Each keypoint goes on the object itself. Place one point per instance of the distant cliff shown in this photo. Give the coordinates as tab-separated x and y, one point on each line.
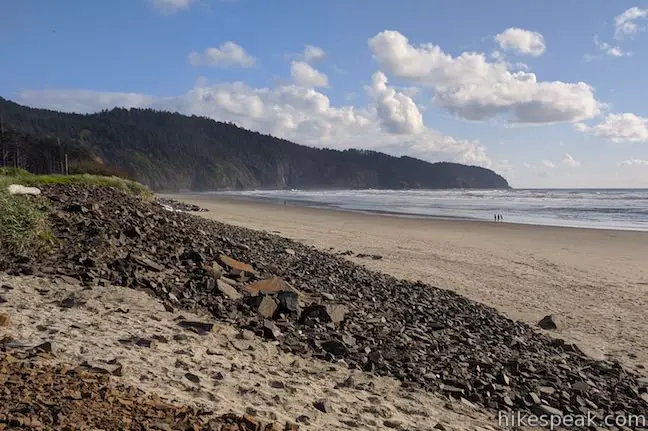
170	151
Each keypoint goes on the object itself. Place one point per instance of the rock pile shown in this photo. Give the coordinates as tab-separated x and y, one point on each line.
316	304
39	396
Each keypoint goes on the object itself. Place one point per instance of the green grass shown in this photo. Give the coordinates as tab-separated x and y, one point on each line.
20	176
23	223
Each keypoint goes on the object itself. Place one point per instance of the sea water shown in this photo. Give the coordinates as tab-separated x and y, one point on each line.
589	208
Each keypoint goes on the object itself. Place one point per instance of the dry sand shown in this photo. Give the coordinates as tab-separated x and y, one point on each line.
244	375
597	280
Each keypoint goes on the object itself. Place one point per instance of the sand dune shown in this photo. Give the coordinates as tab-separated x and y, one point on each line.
596	279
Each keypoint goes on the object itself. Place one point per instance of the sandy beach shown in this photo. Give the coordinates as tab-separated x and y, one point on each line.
596	280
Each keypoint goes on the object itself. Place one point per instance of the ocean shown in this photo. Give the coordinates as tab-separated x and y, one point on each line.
625	209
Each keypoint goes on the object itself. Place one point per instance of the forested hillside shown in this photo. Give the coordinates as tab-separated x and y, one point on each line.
170	151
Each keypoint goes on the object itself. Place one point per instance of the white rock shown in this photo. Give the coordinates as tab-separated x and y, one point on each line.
17	189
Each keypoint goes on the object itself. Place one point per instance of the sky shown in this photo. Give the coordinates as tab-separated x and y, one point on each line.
548	94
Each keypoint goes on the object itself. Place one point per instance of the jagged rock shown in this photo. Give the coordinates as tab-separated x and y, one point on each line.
2	300
6	286
227	290
551	322
235	264
270	330
269	286
267	307
334	313
289	303
323	405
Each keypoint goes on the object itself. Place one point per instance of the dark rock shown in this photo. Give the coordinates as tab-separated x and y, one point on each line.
148	263
323	405
6	286
192	378
335	347
2	300
333	313
289	304
551	322
199	327
270	330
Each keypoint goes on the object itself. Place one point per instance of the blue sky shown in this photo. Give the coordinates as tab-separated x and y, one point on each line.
550	94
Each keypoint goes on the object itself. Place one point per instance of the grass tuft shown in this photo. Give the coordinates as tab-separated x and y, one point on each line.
23	224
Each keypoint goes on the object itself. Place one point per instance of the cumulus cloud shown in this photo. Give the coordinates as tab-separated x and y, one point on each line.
634	162
521	41
306	75
313	53
229	54
626	127
473	88
301	114
626	22
568	160
396	111
169	7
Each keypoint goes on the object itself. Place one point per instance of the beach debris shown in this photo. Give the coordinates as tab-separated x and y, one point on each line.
551	322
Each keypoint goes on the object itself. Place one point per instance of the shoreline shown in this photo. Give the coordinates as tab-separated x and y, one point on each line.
595	279
401	215
277	203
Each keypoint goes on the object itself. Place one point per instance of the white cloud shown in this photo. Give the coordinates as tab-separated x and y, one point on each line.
313	53
306	75
472	88
300	114
229	54
396	111
521	41
607	49
626	127
548	164
568	160
634	162
169	7
625	23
